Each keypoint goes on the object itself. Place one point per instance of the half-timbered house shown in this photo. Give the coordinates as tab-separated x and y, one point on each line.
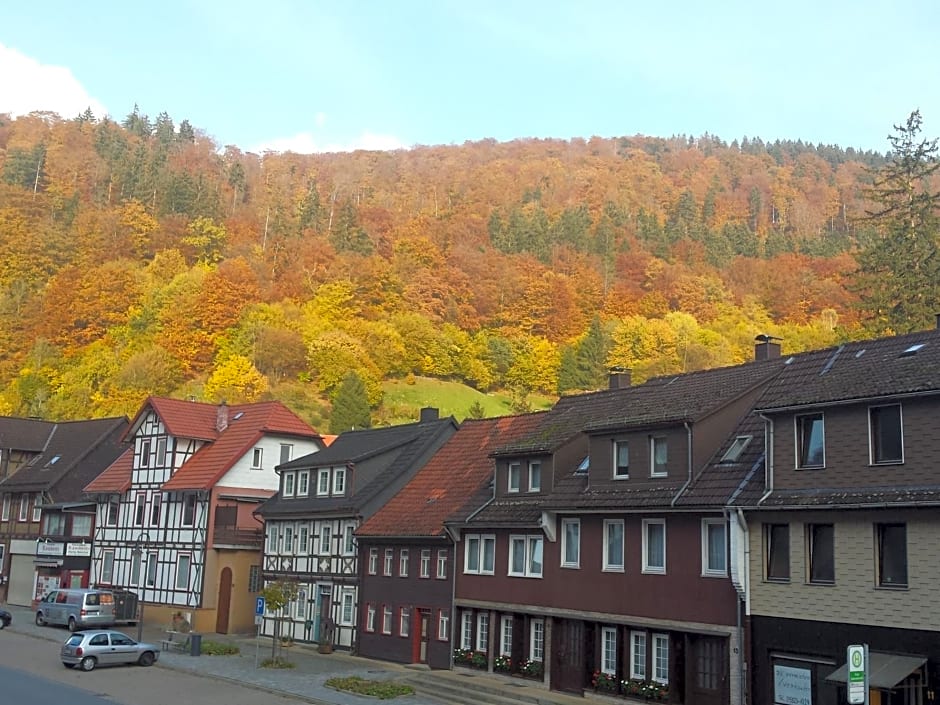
405	611
175	522
46	524
322	501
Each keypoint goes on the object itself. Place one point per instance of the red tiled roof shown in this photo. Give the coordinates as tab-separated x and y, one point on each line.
183	419
449	479
246	424
116	478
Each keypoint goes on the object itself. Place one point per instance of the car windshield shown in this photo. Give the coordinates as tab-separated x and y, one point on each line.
75	639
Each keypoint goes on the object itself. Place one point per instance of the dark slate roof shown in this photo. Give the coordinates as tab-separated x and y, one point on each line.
461	470
659	401
380	456
842	498
522	511
75	453
738	482
573	493
28	435
865	369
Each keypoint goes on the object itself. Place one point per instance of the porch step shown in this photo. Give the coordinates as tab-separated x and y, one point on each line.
468	688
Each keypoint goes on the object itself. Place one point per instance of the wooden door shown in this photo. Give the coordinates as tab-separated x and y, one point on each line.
707	675
423	639
225	601
568	666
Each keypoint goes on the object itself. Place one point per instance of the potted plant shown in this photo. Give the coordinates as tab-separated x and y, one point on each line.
604	682
478	660
462	657
532	669
502	664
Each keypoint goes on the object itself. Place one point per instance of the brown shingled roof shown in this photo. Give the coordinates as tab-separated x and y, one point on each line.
116	478
455	474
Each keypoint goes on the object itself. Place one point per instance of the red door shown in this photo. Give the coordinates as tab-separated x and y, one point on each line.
225	601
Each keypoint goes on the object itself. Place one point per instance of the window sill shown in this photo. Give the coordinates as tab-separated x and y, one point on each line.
882	463
571	566
620	477
612	569
810	467
777	581
715	574
820	583
653	571
893	588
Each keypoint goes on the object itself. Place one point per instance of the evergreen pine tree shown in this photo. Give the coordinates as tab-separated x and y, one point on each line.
899	267
350	405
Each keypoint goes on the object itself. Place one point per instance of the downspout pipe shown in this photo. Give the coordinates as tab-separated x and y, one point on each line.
688	481
769	455
744	596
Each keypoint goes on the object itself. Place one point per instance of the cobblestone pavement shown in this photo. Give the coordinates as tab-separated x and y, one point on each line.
305	681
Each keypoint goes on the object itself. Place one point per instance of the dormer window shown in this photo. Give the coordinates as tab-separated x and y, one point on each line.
339	481
535	476
659	456
256	457
303	482
887	439
621	460
288	484
515	477
323	482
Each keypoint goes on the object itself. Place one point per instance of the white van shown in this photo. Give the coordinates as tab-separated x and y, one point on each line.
75	609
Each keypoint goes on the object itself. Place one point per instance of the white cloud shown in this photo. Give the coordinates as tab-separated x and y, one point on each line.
27	85
307	143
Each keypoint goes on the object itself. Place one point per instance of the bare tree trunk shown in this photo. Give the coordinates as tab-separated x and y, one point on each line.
36	181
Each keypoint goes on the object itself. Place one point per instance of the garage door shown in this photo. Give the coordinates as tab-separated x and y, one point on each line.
22	580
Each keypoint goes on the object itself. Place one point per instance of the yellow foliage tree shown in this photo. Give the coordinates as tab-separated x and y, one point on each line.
236	381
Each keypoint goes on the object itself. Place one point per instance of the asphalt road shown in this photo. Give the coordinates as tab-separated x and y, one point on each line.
32	674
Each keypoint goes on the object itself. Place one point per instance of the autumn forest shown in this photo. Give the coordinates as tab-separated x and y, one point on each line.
140	257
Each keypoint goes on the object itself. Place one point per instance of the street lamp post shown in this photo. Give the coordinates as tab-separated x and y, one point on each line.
142	542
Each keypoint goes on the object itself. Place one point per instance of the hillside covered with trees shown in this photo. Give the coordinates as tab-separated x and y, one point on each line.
142	258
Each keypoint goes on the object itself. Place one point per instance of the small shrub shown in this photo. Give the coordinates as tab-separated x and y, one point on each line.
276	663
217	648
383	690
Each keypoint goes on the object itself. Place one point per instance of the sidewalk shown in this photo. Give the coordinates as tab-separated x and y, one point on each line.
305	681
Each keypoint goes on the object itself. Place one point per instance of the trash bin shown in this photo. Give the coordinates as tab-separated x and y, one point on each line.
195	644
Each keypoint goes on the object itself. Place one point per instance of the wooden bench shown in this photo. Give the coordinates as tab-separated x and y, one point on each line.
175	641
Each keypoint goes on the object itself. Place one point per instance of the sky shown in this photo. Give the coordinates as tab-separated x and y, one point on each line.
315	76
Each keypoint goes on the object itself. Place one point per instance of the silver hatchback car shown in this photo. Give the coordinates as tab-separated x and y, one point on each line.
105	647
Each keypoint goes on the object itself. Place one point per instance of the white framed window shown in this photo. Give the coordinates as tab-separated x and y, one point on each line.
736	449
156	506
621	460
257	454
535	476
161	452
151	569
81	525
443	624
145	453
303	483
613	545
505	636
654	545
714	547
24	507
661	658
404	622
609	650
442	564
288	484
638	655
287	452
303	539
326	538
339	481
525	556
348	608
349	539
389	561
425	563
288	539
189	510
136	564
537	640
480	554
184	564
37	506
5	512
386	620
140	508
373	561
403	563
301	604
466	630
370	617
483	631
107	567
659	456
810	441
323	482
571	543
272	538
514	477
885	434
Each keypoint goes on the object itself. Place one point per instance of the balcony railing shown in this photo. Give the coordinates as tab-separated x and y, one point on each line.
230	536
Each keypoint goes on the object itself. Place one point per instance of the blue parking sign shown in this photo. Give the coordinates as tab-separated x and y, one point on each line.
259	606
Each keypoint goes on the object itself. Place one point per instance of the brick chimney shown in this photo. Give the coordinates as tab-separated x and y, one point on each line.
221	417
429	413
619	378
765	348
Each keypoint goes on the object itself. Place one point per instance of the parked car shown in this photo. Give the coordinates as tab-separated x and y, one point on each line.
76	608
105	647
5	618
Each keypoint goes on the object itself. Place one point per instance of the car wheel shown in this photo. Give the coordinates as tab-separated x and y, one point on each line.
88	663
72	625
146	659
40	620
68	665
